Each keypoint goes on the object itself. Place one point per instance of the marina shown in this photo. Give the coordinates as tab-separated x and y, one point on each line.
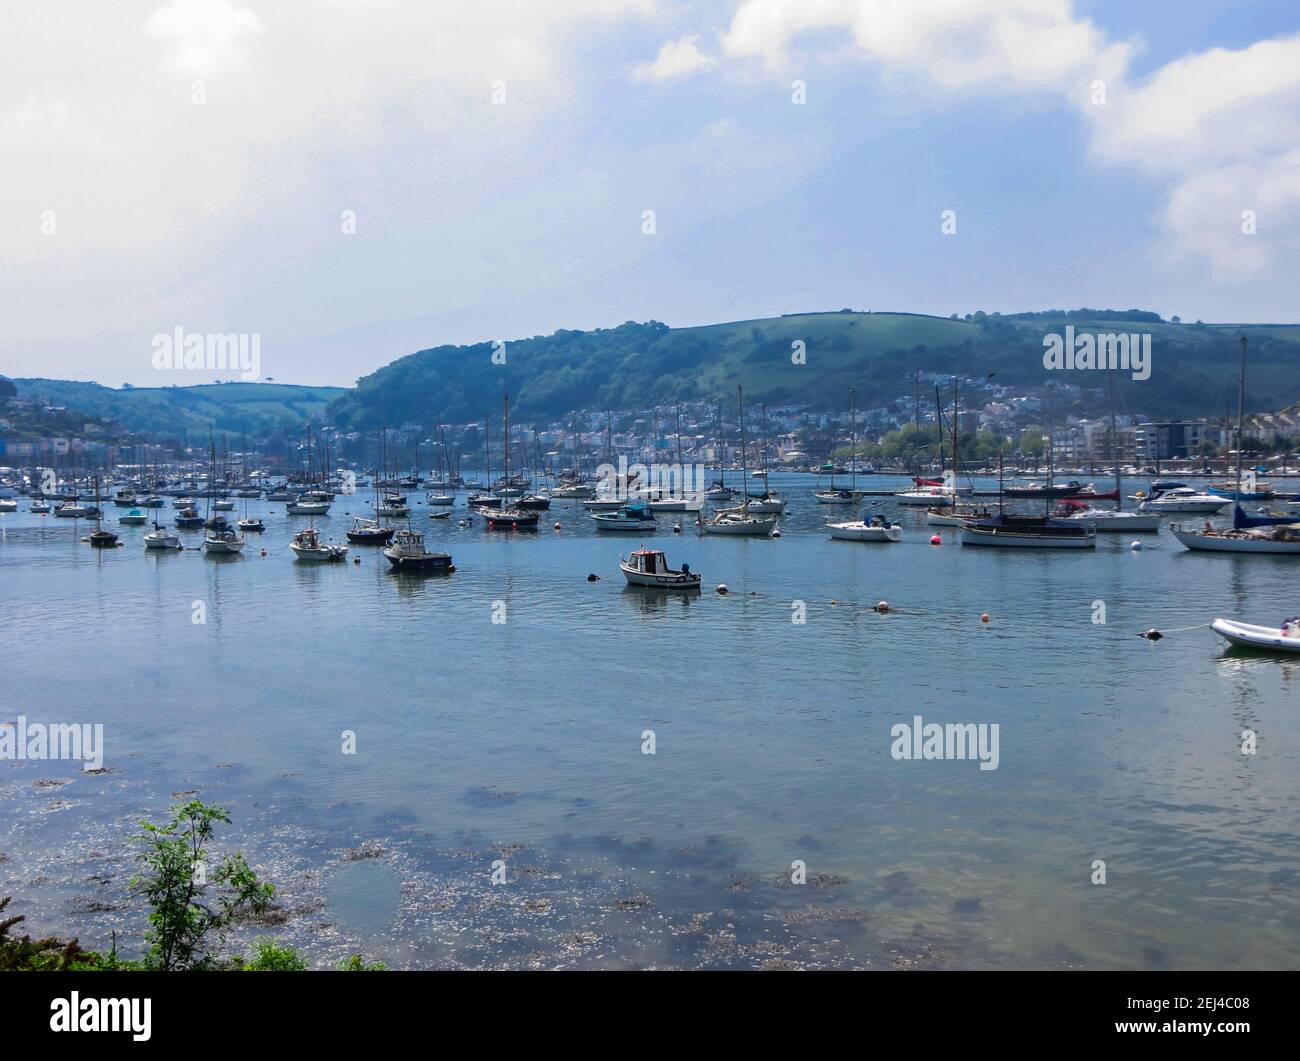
803	773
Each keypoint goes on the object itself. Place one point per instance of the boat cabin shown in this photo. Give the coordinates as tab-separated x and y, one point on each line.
650	562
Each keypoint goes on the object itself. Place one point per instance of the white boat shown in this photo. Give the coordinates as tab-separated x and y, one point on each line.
926	497
572	491
392	510
134	518
222	542
311	503
835	497
1281	541
603	504
1183	499
763	505
161	538
1246	635
309	546
677	504
8	505
440	499
876	530
738	521
223	506
649	567
1106	519
75	510
955	515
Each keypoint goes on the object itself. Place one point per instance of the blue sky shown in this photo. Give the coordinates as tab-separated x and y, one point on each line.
130	209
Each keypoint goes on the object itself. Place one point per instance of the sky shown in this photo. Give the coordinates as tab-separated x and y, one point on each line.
353	180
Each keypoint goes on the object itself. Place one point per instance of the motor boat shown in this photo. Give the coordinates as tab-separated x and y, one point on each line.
1106	519
188	517
309	546
649	567
1266	638
251	524
134	518
408	553
310	503
630	516
1183	499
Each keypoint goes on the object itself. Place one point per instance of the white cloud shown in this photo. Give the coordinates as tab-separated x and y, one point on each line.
204	34
679	58
1218	127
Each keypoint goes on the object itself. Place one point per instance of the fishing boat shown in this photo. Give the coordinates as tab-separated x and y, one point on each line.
649	567
408	553
125	499
630	516
310	503
1182	499
877	529
188	517
251	524
309	546
134	518
1266	638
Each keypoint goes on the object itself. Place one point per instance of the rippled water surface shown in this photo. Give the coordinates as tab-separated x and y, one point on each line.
520	743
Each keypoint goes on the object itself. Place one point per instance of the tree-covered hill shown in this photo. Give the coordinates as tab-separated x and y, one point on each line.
636	366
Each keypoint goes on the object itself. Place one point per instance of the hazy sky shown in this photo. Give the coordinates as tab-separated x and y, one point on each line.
190	164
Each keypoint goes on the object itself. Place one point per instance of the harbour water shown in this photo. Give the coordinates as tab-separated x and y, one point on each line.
520	743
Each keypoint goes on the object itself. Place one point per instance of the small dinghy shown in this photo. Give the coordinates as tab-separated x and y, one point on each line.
1268	638
649	567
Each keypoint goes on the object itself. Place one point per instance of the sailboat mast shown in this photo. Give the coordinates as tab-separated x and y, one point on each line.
1241	414
853	446
1114	445
744	464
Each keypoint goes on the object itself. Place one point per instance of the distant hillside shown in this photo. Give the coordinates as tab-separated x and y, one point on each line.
257	408
636	366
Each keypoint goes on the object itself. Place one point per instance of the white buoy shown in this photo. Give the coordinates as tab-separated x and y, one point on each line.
1135	546
722	589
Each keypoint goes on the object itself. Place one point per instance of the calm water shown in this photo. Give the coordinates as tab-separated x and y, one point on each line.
521	742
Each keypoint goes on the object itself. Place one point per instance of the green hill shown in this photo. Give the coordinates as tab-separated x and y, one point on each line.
636	366
257	408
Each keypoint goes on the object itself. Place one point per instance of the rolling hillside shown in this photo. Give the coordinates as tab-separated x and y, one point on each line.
636	366
257	408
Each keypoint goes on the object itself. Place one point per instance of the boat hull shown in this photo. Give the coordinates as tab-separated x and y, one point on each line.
1213	543
432	562
1019	540
677	581
857	532
1264	638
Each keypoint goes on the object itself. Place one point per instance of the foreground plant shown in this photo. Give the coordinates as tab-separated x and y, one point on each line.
191	909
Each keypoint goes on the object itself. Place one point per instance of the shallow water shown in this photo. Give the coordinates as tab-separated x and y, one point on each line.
520	742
